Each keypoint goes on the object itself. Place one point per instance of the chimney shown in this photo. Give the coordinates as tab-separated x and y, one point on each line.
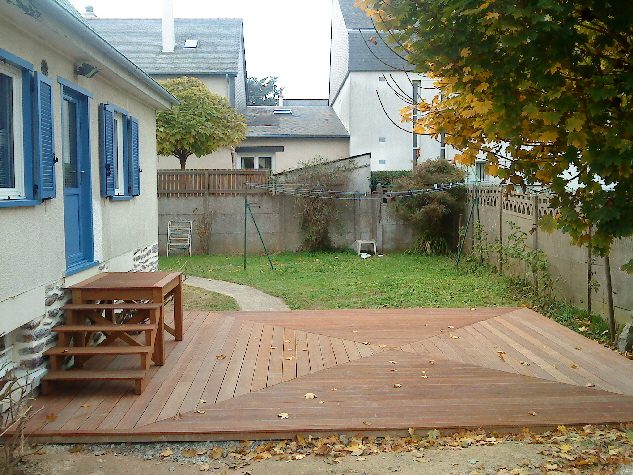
90	13
169	36
281	99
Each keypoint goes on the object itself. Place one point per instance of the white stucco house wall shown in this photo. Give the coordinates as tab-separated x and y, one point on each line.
77	168
365	72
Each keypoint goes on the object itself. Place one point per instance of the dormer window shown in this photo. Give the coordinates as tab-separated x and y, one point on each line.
191	43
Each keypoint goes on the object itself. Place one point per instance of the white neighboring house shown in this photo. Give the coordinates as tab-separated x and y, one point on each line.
77	168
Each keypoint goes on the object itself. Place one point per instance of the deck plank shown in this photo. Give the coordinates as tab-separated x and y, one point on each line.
466	386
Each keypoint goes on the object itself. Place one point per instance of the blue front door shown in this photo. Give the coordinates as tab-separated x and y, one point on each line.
77	195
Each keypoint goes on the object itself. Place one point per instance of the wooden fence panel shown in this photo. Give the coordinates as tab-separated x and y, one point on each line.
210	182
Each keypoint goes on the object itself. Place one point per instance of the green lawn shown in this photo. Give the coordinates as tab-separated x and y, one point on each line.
344	280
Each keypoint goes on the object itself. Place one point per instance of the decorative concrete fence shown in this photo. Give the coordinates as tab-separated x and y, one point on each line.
579	277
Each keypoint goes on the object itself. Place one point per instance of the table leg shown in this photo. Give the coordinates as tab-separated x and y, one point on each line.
159	346
178	317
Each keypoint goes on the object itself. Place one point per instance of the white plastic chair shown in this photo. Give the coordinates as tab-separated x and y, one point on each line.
179	235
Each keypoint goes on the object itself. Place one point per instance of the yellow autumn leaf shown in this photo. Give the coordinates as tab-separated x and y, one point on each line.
188	453
465	52
482	87
216	453
544	176
575	122
492	15
310	396
548	136
283	415
167	452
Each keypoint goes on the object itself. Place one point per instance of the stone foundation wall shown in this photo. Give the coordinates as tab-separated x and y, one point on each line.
146	259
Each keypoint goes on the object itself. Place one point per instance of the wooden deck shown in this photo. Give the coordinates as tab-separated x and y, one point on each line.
372	371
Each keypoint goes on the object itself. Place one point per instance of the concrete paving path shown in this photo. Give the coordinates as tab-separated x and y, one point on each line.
248	298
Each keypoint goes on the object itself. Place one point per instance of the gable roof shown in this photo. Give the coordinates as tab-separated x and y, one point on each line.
354	17
303	122
220	44
366	56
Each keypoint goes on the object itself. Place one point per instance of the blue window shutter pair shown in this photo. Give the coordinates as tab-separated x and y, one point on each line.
108	153
44	137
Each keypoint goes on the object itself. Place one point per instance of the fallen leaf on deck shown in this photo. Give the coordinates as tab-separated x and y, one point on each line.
310	396
451	327
424	376
273	347
393	362
189	453
333	389
431	361
473	308
286	341
283	415
199	411
574	366
590	385
85	405
201	401
366	343
178	416
577	347
167	452
394	370
397	385
532	413
367	423
51	417
455	337
354	331
221	357
525	363
382	346
290	358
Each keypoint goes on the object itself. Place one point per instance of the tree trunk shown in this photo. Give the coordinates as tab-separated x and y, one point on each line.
607	270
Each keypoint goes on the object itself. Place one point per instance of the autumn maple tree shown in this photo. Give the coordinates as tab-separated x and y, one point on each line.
540	88
201	124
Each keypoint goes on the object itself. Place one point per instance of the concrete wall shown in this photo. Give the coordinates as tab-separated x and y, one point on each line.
32	262
219	223
571	266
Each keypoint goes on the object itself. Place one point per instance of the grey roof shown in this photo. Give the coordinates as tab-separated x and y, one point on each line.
219	48
365	56
304	122
354	17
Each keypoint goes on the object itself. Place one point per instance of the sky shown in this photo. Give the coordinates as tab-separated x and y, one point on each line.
289	39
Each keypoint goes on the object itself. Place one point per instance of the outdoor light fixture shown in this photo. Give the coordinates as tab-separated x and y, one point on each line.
87	70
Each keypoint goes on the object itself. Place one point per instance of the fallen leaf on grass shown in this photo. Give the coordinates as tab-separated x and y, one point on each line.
283	415
189	453
167	452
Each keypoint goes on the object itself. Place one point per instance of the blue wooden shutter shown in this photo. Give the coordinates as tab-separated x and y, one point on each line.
106	138
135	159
44	137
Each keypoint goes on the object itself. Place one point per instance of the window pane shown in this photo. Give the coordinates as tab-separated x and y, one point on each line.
71	178
7	163
266	162
248	162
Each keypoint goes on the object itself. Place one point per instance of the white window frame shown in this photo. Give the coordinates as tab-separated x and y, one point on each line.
256	157
18	191
120	169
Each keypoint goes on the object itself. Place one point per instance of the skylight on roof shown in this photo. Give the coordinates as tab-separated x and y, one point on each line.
191	43
282	111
